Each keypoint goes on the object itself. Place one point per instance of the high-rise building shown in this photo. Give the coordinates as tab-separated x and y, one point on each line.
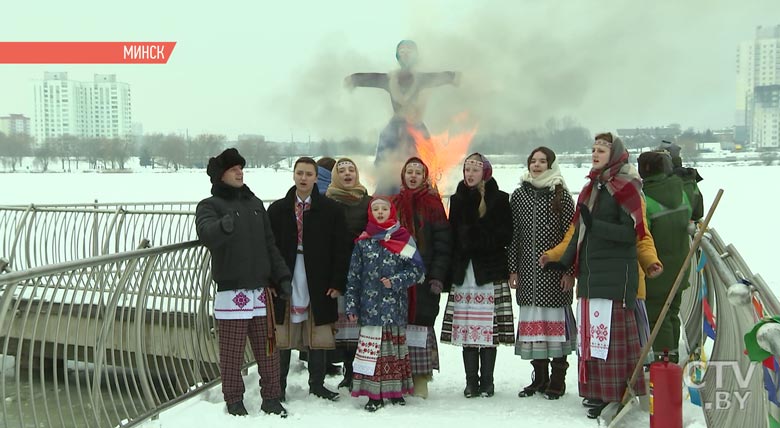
15	124
97	109
758	87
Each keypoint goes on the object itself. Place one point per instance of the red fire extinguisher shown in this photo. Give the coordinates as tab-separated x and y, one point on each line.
665	394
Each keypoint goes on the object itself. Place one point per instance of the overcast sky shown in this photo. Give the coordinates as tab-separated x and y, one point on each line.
273	69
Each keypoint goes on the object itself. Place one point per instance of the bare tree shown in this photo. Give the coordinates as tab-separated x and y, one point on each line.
44	154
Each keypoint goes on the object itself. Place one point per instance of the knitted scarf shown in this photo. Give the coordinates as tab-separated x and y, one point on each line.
546	180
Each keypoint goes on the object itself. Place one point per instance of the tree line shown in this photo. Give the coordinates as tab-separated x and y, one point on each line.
173	151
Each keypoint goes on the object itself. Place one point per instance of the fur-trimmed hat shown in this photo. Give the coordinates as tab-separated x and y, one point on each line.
226	160
652	163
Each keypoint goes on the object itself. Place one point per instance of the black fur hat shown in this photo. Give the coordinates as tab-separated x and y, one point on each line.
226	160
652	163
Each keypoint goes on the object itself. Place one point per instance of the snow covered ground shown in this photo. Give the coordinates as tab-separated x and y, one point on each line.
744	218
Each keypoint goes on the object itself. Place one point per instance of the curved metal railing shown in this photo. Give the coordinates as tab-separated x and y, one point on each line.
38	235
108	340
732	392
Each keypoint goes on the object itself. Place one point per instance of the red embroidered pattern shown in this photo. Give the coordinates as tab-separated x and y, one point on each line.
599	332
240	300
542	328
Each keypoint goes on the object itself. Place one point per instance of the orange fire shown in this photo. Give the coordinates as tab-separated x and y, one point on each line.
443	151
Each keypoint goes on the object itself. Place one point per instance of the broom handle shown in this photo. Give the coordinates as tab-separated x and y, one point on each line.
694	245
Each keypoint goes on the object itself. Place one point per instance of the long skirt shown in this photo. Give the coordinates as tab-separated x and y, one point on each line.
545	332
425	360
470	307
393	374
606	379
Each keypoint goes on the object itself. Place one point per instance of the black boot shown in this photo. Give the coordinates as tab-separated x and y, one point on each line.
541	378
273	407
487	358
284	368
471	364
317	376
237	409
595	412
591	402
349	357
557	386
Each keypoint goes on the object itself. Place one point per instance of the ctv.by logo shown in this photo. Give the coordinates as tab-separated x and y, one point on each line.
693	377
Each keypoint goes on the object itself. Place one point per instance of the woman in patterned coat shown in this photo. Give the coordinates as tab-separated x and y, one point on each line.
542	209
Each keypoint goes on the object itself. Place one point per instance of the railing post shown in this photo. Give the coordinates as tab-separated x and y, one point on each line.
20	226
142	363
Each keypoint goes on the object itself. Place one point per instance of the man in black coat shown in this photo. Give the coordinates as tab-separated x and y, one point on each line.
248	270
310	230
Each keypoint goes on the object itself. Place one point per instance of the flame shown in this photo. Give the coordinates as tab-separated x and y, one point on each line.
443	151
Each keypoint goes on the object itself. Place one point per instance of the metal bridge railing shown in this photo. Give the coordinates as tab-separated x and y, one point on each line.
108	340
723	271
38	235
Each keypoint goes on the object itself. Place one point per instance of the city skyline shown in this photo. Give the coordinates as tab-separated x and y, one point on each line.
278	70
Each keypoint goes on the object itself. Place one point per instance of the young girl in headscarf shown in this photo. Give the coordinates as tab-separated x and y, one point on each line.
479	308
420	211
385	263
609	221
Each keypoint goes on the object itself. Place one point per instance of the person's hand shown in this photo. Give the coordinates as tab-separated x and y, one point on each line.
555	266
543	260
226	223
436	286
333	293
513	280
386	282
587	218
654	270
285	289
352	318
567	282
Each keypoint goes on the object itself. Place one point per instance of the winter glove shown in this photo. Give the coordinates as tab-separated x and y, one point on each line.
285	289
436	286
227	223
555	266
587	218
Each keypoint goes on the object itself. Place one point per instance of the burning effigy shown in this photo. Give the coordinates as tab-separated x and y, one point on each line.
400	138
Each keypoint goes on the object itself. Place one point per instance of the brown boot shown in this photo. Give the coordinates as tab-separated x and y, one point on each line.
420	386
557	386
541	378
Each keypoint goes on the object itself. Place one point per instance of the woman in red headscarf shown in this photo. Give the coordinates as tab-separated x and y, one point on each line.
421	212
